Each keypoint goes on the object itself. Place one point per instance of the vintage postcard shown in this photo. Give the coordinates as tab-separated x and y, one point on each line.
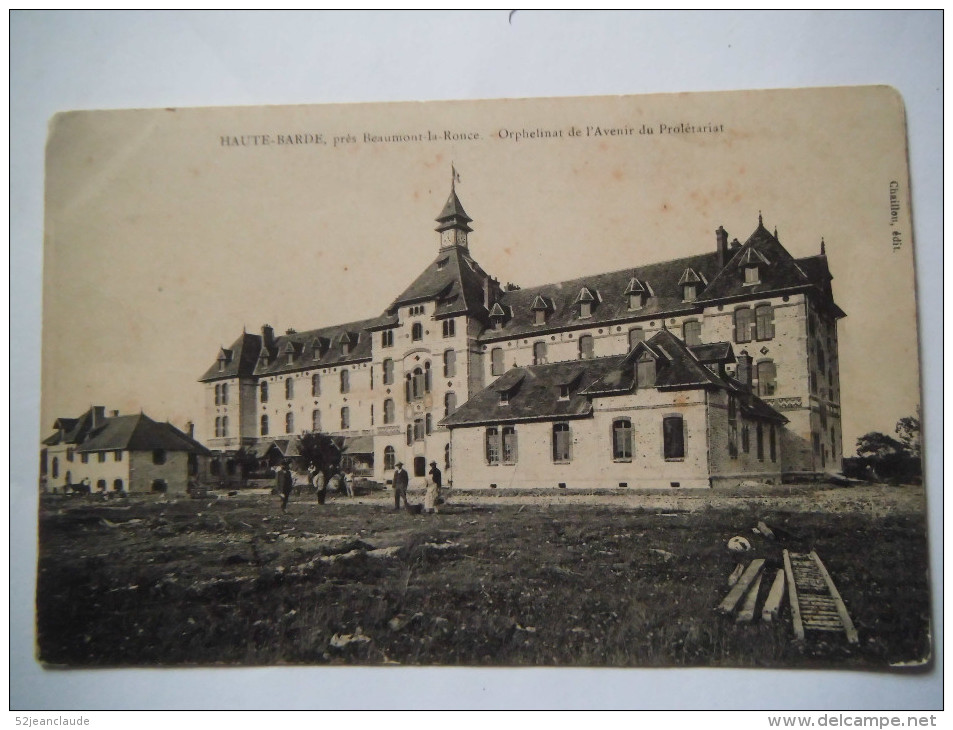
613	381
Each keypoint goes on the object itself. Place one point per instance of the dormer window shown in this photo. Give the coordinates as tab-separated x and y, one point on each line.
690	282
585	301
564	391
540	308
504	397
751	262
289	352
636	292
345	344
645	371
497	316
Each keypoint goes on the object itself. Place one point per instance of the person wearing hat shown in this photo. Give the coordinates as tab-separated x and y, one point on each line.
401	480
432	497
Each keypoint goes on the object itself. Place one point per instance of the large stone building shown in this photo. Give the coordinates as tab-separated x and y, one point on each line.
716	368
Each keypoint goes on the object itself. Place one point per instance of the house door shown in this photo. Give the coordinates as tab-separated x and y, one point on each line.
420	466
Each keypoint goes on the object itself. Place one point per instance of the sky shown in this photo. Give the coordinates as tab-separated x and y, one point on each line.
169	231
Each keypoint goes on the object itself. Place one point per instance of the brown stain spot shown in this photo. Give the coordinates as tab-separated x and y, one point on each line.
603	147
665	207
742	170
507	251
89	160
617	174
194	172
345	268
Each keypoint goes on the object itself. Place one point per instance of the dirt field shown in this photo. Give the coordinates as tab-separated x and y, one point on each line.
498	578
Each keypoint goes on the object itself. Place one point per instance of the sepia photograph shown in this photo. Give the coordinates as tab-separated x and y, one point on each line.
608	381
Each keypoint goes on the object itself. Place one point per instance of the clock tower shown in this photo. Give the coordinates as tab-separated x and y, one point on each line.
453	222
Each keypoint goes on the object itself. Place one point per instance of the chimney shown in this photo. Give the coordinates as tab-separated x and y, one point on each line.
743	371
268	336
721	246
114	414
735	244
99	415
190	429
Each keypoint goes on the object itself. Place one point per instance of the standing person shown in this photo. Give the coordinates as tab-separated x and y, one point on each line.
433	488
312	470
320	486
401	480
285	483
349	483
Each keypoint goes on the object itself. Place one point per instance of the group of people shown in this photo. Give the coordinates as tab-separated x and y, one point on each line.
432	497
285	483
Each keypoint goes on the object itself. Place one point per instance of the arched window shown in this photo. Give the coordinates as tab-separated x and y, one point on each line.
743	322
56	467
315	385
345	417
539	353
417	332
636	335
224	425
673	437
263	392
764	321
224	394
289	388
585	347
315	420
492	445
117	485
101	484
428	421
562	443
496	358
218	426
428	375
264	425
622	439
390	457
388	372
692	332
509	445
389	410
345	381
767	378
449	404
289	422
449	363
417	384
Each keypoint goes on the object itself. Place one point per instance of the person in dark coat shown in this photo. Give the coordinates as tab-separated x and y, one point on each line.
285	484
401	480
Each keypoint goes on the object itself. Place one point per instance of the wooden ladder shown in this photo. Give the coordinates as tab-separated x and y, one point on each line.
815	602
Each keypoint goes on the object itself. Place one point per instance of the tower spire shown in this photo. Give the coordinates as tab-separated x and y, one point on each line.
823	249
453	219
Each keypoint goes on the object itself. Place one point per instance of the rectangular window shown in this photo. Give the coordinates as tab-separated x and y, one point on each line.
636	335
449	328
492	446
743	323
759	441
315	385
586	351
449	364
745	439
419	432
387	338
84	458
767	378
692	330
585	309
751	275
496	357
345	381
509	445
388	372
117	456
540	316
289	389
673	435
101	456
315	420
622	439
539	353
773	444
345	417
645	371
562	442
764	322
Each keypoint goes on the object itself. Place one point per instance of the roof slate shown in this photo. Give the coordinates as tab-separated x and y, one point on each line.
139	433
244	353
612	302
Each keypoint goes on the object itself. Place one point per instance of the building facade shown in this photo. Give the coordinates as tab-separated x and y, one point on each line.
122	454
755	327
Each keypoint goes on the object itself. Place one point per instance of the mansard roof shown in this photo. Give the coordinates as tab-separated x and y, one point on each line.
534	394
319	348
241	363
660	280
455	281
139	433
